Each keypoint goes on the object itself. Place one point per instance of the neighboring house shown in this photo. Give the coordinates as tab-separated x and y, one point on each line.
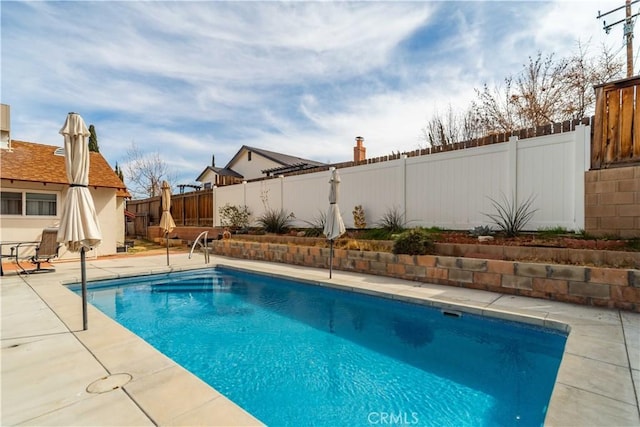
33	188
252	163
213	175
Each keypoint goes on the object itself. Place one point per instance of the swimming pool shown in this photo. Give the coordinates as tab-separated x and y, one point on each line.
296	354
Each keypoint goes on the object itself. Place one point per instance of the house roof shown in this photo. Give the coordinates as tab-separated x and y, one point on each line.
219	171
28	161
283	159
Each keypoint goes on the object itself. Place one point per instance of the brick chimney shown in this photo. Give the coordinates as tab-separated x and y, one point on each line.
359	151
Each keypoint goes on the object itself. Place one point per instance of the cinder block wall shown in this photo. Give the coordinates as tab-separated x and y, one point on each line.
612	202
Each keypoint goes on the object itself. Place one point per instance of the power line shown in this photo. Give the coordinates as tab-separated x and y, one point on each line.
629	22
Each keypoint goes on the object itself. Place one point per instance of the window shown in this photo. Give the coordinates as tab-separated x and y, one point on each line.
11	203
249	156
41	204
31	204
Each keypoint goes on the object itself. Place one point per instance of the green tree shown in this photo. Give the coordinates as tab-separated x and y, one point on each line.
119	172
93	140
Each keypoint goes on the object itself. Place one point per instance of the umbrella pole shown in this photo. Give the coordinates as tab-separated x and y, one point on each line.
167	236
83	276
330	257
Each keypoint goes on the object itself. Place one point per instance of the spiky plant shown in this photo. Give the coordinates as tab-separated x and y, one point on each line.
316	225
511	217
393	220
275	221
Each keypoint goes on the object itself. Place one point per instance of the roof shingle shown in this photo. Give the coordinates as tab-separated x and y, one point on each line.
28	161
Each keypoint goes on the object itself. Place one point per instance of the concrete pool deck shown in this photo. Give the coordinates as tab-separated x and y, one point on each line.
54	373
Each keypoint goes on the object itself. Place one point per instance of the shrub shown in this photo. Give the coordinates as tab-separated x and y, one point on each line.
275	221
234	216
481	230
393	220
511	217
359	219
552	231
633	245
414	242
316	225
350	245
376	234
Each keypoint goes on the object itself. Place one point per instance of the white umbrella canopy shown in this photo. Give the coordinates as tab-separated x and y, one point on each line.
79	225
334	225
166	220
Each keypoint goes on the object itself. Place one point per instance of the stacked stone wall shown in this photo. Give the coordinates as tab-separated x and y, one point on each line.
596	286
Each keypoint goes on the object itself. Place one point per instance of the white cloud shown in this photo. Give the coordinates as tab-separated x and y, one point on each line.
193	79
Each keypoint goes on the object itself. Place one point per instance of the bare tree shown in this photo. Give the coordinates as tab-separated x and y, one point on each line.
145	173
434	133
582	73
450	128
530	99
494	108
547	89
539	91
471	126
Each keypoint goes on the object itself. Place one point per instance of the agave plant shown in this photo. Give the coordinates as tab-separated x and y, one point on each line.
275	221
393	220
316	225
511	217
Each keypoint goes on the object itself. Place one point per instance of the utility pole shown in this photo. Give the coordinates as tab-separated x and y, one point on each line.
628	21
628	33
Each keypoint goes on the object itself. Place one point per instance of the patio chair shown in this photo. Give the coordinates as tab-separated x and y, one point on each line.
45	250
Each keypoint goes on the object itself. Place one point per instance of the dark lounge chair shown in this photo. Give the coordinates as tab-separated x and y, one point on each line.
45	250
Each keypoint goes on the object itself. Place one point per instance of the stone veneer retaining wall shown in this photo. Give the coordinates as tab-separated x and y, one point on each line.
602	287
612	202
550	255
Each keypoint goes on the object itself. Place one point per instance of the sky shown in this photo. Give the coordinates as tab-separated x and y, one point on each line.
189	80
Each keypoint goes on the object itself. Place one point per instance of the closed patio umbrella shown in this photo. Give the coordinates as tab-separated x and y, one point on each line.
166	220
79	228
334	226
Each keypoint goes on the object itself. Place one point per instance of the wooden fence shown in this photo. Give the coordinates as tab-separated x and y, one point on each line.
189	209
616	133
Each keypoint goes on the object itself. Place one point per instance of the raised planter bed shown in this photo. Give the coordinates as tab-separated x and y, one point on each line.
556	255
588	285
587	257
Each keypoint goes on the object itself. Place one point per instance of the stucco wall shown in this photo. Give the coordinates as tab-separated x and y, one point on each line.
29	228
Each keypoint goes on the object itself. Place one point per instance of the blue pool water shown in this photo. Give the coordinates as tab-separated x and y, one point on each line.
297	354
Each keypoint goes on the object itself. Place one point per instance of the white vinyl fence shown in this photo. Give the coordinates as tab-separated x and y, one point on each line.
450	189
